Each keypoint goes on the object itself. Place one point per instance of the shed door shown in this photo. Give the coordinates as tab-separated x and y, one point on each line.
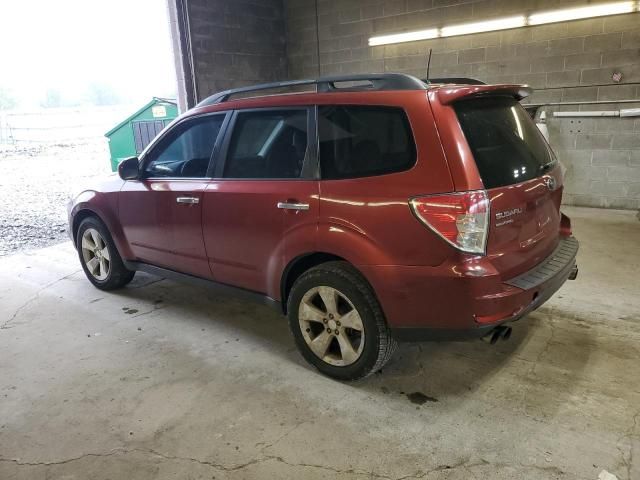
145	131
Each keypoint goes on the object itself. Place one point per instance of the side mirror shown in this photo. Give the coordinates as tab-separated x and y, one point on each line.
128	169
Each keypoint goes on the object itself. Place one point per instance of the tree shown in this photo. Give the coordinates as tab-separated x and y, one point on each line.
102	94
7	100
52	98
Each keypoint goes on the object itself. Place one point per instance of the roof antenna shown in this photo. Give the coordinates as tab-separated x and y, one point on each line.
429	64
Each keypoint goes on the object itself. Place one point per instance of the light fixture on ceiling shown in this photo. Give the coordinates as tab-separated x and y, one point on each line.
579	13
404	37
540	18
488	26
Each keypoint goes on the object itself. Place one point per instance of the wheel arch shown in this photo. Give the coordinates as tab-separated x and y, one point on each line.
84	211
78	217
300	264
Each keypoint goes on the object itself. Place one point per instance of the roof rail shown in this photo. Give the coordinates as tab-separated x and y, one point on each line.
377	81
454	80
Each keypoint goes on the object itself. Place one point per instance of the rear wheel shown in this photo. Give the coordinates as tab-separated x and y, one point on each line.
99	257
337	322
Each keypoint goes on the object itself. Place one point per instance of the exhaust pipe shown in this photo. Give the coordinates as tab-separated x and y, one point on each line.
500	332
574	273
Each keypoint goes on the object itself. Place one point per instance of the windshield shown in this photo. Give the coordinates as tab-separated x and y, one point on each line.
506	144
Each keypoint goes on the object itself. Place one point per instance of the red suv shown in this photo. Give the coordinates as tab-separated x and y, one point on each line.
375	209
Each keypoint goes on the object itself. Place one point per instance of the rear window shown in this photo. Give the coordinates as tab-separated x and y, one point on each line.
506	144
362	141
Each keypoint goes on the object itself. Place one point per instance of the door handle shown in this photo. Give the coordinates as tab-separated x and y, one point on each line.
293	206
189	200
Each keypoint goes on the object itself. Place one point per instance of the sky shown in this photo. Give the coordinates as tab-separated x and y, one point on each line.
69	45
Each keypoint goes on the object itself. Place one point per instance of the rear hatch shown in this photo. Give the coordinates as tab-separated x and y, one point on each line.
522	178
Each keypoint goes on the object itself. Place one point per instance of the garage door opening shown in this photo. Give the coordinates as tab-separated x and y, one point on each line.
71	72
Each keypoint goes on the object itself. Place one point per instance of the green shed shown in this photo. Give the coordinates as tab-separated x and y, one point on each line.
134	133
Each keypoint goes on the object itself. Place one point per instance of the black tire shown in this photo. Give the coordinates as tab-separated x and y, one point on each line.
118	276
379	345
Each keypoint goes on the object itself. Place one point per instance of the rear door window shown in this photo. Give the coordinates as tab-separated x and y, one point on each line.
267	144
506	144
361	141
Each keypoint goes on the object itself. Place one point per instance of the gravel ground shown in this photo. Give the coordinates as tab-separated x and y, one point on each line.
36	181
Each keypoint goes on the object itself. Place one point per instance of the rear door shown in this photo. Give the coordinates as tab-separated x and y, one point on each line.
264	192
522	177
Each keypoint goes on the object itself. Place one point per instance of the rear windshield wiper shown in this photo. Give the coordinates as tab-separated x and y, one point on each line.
547	166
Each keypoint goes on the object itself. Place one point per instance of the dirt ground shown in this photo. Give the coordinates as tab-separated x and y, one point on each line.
36	182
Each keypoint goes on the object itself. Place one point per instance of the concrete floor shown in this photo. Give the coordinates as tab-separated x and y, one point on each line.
162	380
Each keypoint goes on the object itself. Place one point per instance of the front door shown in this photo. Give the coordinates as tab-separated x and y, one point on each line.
265	193
161	214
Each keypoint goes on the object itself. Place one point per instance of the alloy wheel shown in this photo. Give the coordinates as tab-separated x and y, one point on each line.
95	254
331	326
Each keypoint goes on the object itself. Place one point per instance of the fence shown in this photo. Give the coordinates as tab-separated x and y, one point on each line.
60	125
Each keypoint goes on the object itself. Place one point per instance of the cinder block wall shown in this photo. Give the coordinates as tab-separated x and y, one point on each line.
565	62
235	43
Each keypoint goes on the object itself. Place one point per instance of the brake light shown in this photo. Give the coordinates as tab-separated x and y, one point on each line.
462	219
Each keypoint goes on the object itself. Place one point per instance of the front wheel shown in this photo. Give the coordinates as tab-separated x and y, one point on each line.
337	322
99	257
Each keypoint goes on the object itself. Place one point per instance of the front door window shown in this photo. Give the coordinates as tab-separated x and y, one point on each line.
185	152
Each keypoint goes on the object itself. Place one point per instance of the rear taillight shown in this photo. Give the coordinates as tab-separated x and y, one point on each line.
462	219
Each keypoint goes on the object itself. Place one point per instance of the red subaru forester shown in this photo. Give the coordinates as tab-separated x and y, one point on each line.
374	209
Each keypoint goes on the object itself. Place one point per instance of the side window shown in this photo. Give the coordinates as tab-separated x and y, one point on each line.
267	144
362	141
187	150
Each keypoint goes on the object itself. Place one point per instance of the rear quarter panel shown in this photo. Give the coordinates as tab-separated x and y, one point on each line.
368	220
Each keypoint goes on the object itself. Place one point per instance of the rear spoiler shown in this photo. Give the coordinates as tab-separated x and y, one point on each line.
447	95
454	80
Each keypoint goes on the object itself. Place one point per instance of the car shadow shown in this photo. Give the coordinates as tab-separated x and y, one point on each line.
438	370
537	372
541	351
204	307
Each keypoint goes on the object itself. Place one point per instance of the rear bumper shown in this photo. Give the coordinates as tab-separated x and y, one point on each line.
461	306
